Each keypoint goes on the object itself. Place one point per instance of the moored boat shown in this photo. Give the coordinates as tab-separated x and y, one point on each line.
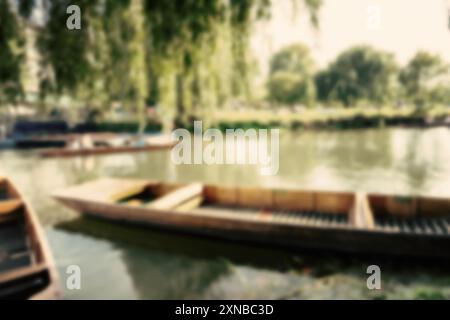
346	222
40	134
109	146
27	270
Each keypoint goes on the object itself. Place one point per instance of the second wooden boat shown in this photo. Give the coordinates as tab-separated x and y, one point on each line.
106	146
346	222
27	270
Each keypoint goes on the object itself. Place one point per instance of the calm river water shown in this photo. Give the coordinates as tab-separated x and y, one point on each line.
132	263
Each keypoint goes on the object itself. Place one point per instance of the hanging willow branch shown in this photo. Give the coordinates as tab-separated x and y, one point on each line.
11	54
188	55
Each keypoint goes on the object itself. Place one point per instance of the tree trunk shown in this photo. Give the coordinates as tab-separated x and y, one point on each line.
179	118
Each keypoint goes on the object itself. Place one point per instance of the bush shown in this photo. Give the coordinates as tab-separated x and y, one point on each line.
359	74
290	80
291	89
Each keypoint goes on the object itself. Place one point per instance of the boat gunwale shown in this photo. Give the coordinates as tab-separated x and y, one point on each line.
98	151
39	246
81	201
61	193
188	214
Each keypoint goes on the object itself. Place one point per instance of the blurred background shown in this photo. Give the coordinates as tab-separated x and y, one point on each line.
359	88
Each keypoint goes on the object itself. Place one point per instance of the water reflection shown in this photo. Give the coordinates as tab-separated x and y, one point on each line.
131	262
168	266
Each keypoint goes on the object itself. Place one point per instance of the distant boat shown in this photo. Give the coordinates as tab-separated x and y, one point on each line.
27	270
40	134
117	144
345	222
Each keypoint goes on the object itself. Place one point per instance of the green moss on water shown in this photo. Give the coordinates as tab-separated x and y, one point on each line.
429	295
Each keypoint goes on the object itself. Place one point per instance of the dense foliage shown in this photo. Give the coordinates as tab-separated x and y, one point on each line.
190	56
11	54
359	74
291	76
172	53
425	79
184	55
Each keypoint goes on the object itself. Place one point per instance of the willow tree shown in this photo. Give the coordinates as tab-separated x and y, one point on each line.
182	36
137	64
185	55
11	54
70	62
200	50
425	80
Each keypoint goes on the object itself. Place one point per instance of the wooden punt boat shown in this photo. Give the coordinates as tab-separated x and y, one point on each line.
39	134
371	224
42	141
27	270
103	147
57	142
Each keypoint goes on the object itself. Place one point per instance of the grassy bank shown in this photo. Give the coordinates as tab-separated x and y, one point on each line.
352	118
332	118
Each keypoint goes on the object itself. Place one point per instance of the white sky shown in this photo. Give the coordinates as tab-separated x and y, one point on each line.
405	26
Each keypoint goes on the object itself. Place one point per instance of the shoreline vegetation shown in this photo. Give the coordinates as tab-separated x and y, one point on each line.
329	119
339	118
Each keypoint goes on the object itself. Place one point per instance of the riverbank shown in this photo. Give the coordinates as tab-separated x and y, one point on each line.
353	118
319	118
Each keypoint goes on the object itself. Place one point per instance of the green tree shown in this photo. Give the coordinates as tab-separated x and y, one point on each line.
184	55
425	80
11	54
291	76
359	74
70	57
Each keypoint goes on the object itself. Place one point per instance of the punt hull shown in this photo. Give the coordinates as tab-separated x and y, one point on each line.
65	153
38	143
289	235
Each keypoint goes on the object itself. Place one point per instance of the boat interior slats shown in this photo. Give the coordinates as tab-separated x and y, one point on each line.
418	225
422	216
411	215
283	217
